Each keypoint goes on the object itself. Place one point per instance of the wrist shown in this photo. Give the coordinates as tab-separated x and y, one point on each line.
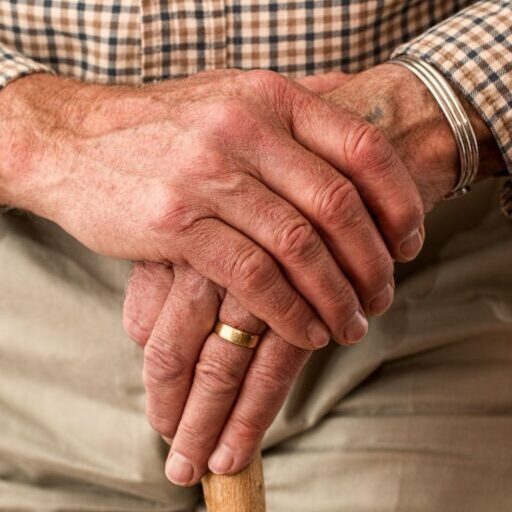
419	130
400	104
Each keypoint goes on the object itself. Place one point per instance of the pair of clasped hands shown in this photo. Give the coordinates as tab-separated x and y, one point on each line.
289	213
276	206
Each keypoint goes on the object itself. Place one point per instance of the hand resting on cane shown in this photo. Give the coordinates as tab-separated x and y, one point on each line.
224	364
236	394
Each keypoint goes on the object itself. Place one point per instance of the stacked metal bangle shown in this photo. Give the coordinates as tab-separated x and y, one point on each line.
456	116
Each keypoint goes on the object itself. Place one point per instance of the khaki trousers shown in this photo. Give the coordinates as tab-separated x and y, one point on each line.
416	418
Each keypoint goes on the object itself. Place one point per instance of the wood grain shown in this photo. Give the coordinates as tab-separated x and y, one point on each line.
241	492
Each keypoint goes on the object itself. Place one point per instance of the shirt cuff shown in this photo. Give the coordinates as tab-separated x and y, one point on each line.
473	50
14	65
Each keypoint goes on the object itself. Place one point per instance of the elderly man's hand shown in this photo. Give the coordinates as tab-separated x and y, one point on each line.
193	378
234	394
236	174
194	382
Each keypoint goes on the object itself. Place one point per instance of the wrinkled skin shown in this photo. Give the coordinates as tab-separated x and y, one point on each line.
261	194
236	174
234	394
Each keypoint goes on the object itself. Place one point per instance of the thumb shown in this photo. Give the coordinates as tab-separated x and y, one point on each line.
324	83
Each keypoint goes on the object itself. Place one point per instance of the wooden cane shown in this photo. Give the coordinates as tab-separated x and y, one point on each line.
241	492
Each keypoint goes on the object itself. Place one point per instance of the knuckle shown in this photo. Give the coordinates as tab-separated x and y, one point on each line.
252	269
406	215
368	146
236	185
343	298
290	312
264	78
275	88
210	163
337	201
274	378
225	113
230	117
195	437
163	366
192	287
383	266
298	241
250	428
341	206
217	378
162	424
378	271
353	216
170	212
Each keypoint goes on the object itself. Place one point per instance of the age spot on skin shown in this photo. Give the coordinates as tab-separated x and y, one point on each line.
375	115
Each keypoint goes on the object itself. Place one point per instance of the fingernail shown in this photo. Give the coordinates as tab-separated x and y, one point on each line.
356	329
221	460
179	469
382	300
411	246
318	334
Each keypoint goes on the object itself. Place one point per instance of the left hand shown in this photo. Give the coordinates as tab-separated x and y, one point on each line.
203	417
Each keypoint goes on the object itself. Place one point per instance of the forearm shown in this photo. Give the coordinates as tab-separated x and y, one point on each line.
43	117
25	106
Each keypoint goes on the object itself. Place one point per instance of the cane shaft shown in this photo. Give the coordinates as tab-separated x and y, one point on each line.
242	492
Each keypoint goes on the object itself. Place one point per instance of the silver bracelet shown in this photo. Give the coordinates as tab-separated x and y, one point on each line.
455	115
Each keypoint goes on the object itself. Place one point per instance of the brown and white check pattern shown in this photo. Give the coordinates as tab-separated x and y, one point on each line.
473	50
139	41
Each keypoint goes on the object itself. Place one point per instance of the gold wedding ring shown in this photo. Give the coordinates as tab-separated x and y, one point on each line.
236	336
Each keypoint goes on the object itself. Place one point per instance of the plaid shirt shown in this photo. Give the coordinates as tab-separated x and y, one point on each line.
139	41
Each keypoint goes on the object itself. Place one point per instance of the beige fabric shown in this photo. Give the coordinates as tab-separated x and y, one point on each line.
417	418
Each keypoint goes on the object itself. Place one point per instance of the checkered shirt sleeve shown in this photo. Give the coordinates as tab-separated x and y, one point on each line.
473	50
15	65
140	41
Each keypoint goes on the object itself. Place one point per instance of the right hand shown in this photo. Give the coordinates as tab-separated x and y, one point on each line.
230	172
202	392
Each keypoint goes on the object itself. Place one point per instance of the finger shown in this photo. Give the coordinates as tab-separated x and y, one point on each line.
324	83
235	263
360	150
268	380
333	205
218	376
280	229
147	289
171	352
